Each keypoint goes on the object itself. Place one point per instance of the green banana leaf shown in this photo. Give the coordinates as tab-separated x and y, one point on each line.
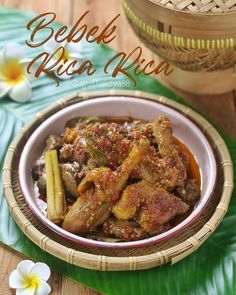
211	270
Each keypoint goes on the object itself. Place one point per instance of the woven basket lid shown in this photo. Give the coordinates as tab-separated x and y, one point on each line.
199	6
200	20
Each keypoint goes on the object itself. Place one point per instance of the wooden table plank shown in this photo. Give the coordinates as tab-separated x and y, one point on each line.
220	109
77	289
62	8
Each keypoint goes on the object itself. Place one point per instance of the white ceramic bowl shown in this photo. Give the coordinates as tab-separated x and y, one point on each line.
184	129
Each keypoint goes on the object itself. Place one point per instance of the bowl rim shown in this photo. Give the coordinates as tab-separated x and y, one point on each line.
89	242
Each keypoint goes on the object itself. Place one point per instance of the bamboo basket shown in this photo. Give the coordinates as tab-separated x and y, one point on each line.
170	251
197	37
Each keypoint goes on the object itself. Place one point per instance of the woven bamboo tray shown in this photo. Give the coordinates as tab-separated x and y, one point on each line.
197	37
171	250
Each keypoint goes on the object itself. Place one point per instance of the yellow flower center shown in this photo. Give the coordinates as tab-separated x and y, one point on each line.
31	282
12	72
66	55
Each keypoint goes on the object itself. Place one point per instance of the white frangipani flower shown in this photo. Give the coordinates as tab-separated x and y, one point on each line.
72	51
30	278
14	79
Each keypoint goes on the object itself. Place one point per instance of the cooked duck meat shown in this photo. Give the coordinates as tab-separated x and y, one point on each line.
70	177
109	143
159	209
138	128
99	190
123	178
182	155
163	167
125	230
149	205
67	152
190	192
108	139
173	168
86	214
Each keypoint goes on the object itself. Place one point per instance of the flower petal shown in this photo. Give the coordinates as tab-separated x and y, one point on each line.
21	92
13	51
51	45
4	88
74	48
15	280
54	60
76	56
63	76
25	291
1	57
43	288
24	267
33	69
41	270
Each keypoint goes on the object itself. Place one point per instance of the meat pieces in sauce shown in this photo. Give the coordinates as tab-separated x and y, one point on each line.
99	190
149	205
126	179
163	166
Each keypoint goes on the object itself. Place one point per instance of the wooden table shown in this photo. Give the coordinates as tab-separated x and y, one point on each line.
221	109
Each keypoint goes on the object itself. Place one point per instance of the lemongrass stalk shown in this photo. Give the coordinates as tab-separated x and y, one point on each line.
60	202
56	204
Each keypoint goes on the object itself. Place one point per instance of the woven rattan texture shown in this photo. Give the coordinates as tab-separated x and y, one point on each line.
171	250
188	53
173	241
200	6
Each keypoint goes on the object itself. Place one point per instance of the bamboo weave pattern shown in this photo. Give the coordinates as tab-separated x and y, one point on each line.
197	6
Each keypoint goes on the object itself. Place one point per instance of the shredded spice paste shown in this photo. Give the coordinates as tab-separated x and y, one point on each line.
117	178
